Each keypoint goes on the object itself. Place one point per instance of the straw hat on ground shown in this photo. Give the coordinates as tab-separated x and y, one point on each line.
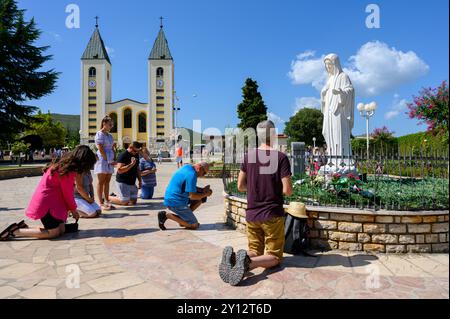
297	209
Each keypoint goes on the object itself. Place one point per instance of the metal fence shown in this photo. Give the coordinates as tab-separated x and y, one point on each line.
392	180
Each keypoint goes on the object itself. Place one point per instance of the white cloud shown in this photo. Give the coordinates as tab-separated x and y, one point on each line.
277	120
308	70
375	69
398	106
110	51
310	102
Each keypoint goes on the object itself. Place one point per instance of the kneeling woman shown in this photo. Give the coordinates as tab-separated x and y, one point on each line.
53	199
84	196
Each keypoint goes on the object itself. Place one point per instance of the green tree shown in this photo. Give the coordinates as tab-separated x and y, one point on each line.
383	140
53	133
72	139
431	107
21	76
304	126
252	110
17	148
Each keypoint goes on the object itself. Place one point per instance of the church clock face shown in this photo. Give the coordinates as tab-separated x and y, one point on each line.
92	83
160	83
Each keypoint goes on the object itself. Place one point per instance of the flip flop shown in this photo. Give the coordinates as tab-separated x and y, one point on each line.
22	225
7	232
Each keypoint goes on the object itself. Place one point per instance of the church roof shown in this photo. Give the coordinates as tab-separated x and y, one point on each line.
160	49
96	49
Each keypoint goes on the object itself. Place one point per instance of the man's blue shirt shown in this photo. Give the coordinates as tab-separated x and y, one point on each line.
183	182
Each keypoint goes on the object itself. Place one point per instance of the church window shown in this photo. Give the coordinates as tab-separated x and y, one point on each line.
113	117
159	112
160	72
127	120
107	75
142	123
92	72
159	120
160	104
160	97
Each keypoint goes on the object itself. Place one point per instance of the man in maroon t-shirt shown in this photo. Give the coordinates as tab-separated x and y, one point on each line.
266	176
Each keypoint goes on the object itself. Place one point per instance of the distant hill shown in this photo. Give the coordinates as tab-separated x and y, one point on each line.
70	122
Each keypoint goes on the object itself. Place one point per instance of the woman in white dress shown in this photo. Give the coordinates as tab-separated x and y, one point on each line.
104	168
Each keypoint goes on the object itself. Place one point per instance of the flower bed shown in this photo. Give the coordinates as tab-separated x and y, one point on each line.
383	192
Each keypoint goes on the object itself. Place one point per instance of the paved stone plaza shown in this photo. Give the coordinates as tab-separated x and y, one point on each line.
125	255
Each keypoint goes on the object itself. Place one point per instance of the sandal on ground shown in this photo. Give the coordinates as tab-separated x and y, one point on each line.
162	219
8	233
105	207
22	225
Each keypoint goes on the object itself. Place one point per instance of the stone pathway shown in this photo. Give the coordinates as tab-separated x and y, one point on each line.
125	255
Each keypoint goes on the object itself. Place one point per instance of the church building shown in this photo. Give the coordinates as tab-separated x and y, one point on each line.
150	123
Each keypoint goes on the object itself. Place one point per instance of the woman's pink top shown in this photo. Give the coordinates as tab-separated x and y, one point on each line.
55	194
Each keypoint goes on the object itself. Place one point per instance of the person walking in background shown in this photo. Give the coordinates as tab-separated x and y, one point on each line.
127	173
159	156
53	199
104	168
179	155
148	173
265	183
84	196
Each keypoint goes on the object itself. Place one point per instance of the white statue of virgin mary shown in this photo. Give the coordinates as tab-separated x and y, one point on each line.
338	105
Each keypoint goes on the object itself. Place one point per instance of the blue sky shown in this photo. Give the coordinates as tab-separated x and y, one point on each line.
218	44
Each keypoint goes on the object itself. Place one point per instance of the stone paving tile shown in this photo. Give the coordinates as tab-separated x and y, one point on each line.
39	292
7	291
71	293
74	260
115	282
7	262
148	290
19	270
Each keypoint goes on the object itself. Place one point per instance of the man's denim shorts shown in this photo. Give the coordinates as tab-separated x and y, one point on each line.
127	192
185	213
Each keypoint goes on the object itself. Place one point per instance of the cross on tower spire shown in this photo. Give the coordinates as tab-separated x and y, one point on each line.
96	21
161	18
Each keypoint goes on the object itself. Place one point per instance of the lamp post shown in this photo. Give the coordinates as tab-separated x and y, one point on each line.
367	111
314	141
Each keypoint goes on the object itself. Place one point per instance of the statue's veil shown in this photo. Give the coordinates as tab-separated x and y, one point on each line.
334	59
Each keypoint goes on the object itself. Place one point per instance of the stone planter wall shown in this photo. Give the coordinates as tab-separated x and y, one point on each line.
357	230
20	172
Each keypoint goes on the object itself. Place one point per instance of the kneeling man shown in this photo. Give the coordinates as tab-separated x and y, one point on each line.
183	196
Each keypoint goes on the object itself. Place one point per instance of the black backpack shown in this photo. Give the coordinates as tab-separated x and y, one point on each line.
296	232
